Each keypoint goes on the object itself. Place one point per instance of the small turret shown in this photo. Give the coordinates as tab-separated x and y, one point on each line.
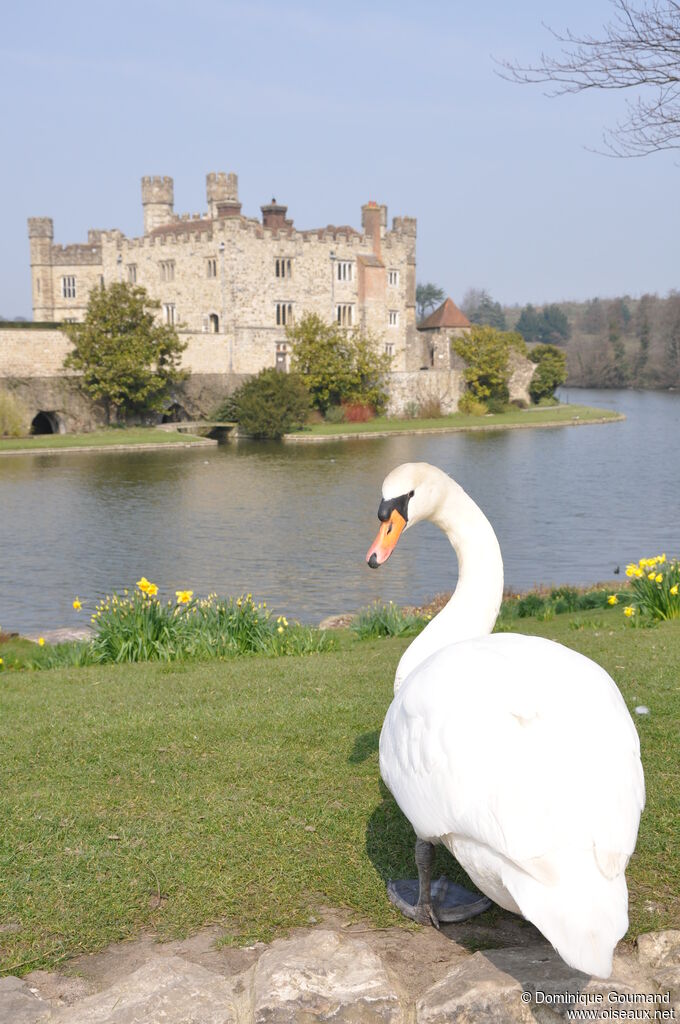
158	200
41	235
222	194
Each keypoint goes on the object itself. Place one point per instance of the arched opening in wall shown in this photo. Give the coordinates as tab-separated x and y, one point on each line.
176	413
214	322
47	423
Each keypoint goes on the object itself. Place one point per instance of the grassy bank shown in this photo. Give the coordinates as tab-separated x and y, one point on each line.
164	796
117	436
557	415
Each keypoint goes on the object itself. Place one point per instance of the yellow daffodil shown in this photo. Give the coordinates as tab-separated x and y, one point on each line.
41	641
659	577
612	599
674	590
142	584
631	570
629	610
1	662
152	589
77	605
638	573
280	629
184	596
651	576
661	559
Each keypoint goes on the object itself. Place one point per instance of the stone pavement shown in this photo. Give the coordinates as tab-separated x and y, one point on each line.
340	974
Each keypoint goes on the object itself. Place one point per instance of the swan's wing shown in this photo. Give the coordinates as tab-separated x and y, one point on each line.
520	744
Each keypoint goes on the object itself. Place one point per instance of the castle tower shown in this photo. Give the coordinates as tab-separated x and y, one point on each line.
158	199
222	194
41	235
274	215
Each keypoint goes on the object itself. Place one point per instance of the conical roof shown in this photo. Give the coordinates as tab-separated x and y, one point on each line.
448	315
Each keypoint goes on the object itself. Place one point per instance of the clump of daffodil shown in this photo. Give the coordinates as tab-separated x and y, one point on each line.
654	592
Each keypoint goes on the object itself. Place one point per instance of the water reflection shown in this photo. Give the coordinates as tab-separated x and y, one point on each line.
292	523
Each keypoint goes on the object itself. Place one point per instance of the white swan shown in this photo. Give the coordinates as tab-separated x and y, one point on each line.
516	753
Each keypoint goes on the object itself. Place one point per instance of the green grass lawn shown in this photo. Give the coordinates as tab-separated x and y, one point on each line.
113	435
165	796
518	417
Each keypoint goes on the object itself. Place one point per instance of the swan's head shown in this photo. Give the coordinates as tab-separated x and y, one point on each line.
411	492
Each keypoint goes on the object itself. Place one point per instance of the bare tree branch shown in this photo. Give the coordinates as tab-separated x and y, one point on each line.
640	49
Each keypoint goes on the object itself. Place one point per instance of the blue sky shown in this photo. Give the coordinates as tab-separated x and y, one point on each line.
327	105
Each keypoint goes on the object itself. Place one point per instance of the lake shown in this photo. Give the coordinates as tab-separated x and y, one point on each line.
292	523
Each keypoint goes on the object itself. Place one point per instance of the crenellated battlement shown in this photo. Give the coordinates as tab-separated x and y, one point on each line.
78	254
158	189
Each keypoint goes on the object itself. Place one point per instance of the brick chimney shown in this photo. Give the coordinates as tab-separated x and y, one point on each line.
373	221
274	215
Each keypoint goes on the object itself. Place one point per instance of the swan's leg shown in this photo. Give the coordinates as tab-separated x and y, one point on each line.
424	912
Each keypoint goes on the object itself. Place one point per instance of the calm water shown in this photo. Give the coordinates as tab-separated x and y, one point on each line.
292	523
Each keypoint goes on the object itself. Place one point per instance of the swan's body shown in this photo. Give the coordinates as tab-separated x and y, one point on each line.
516	753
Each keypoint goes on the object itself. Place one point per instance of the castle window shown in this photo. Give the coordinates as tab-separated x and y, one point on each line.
169	312
393	318
214	322
167	270
101	282
68	287
132	273
389	348
282	357
345	270
283	267
284	313
393	278
344	315
211	267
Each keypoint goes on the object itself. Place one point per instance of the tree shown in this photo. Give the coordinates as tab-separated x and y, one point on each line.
268	405
639	50
480	308
550	372
486	354
338	365
428	297
529	323
555	326
127	359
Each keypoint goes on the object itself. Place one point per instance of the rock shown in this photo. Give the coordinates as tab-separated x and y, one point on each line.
167	989
18	1005
519	984
659	953
659	949
474	992
323	976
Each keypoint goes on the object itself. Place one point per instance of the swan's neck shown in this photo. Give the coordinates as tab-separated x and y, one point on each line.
474	606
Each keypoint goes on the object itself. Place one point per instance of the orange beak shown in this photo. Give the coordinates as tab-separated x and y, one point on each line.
386	541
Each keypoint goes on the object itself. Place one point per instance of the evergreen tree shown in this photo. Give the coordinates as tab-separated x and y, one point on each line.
529	323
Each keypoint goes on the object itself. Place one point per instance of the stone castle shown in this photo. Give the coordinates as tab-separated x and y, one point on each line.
232	284
239	278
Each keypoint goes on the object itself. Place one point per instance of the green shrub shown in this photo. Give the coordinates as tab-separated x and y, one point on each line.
13	416
550	372
269	405
334	414
486	353
530	604
387	620
471	406
498	405
547	401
